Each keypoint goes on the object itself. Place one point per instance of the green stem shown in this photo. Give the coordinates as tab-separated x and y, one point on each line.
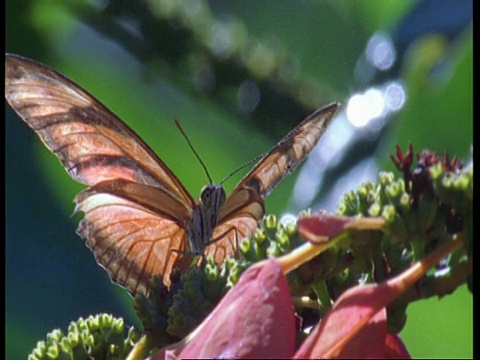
141	349
323	298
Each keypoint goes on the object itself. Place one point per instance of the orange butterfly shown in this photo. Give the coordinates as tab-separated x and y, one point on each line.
139	220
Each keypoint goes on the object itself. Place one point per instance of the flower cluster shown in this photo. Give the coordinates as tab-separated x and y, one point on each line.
96	337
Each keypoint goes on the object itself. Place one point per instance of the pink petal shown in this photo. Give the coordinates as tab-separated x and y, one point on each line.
320	227
395	348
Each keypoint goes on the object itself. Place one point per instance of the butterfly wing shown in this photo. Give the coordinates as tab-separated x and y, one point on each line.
244	207
284	157
131	229
135	206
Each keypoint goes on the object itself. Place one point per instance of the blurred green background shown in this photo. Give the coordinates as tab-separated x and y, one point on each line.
238	75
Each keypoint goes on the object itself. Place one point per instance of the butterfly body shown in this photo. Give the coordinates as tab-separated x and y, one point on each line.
139	220
204	219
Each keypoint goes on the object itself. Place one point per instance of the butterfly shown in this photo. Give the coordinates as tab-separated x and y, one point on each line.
139	220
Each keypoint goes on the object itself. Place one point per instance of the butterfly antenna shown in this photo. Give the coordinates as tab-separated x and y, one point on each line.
193	149
241	167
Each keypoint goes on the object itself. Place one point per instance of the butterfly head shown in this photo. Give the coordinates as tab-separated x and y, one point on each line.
212	197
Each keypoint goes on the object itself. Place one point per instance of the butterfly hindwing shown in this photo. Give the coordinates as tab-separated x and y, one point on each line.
129	240
133	231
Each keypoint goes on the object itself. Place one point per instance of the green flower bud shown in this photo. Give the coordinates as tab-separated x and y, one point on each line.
54	336
385	178
53	351
270	222
40	351
374	210
274	250
396	227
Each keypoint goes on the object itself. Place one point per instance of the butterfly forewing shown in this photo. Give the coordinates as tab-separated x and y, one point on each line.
289	152
92	143
136	211
280	161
